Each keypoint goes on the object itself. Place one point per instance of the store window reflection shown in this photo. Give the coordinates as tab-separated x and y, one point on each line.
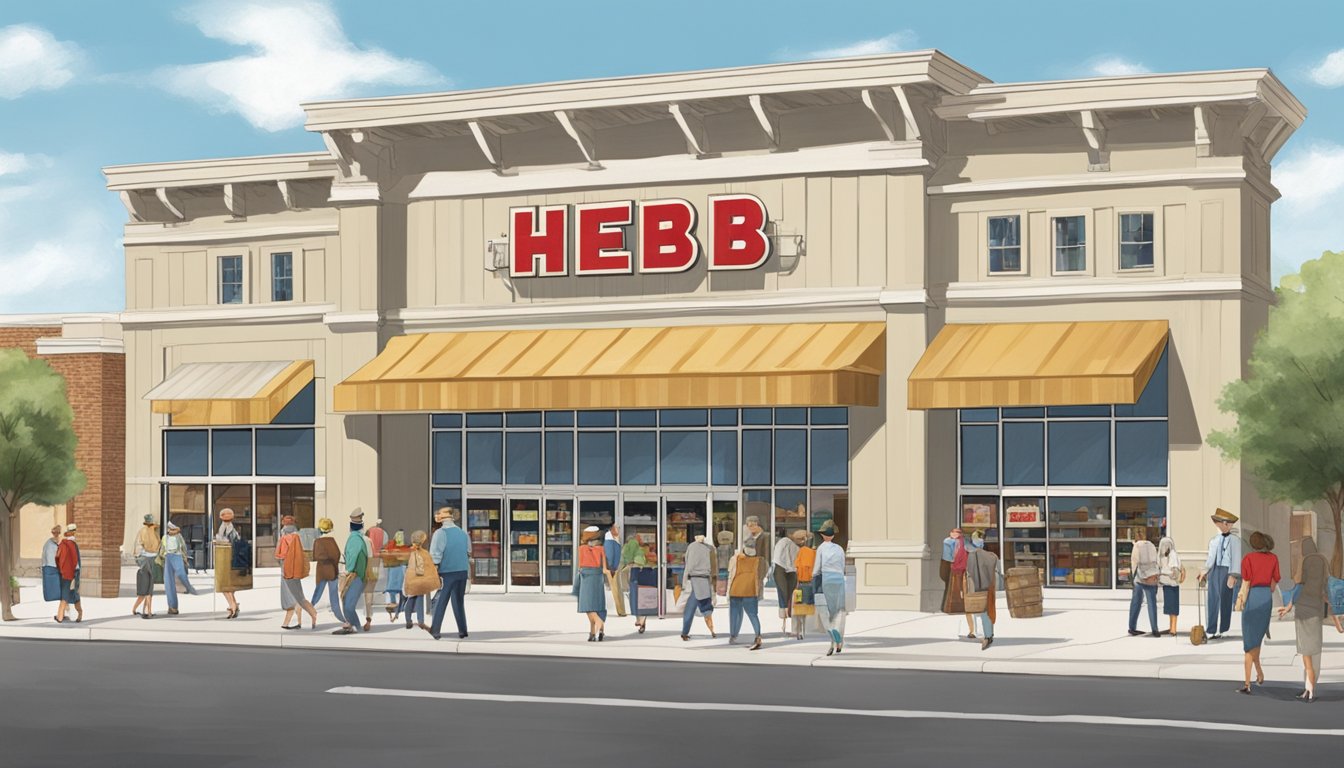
235	497
790	512
185	508
830	504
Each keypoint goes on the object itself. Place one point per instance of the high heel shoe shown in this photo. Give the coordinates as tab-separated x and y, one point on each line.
1301	695
601	635
1310	697
1246	689
592	638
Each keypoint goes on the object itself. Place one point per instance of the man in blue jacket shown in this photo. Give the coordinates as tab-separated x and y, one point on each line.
449	549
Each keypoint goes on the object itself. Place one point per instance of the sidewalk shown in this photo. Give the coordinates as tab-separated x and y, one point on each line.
1074	637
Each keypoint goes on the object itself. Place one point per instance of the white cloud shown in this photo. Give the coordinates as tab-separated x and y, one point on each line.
903	40
58	239
299	53
1115	66
1330	72
32	60
1305	220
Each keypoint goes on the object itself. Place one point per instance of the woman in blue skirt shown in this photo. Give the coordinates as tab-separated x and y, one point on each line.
1259	574
590	582
51	575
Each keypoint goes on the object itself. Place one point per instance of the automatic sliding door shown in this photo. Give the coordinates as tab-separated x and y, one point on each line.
683	520
484	525
639	518
559	542
524	543
724	537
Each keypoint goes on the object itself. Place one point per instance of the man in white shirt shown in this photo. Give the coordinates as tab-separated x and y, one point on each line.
1222	570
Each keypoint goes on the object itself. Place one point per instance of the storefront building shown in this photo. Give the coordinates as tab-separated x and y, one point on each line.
880	290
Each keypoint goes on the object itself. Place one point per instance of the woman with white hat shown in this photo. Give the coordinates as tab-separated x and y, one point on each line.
173	550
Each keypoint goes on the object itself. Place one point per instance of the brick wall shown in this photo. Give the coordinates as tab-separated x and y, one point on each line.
95	387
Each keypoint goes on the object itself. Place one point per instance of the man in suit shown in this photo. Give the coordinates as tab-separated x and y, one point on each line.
1222	570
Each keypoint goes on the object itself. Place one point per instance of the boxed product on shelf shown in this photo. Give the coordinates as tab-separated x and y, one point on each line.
977	514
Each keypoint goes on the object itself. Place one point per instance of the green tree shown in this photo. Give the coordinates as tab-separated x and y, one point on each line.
37	448
1290	408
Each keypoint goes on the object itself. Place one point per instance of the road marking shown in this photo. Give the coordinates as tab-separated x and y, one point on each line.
898	714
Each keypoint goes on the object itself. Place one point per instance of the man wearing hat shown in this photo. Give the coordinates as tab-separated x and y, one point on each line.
450	551
174	550
68	563
1221	569
356	571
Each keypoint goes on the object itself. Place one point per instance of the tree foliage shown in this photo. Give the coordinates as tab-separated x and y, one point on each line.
37	447
1290	407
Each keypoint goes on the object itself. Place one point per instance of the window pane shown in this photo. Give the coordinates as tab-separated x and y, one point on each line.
723	458
446	497
597	419
830	456
639	418
1080	452
1136	255
1004	231
791	457
1070	230
447	458
830	415
723	417
756	456
1141	453
1153	400
559	418
560	458
1079	410
790	513
1023	413
487	420
597	457
1024	453
979	455
522	457
684	417
522	419
1071	259
285	452
790	415
231	452
757	416
184	452
446	420
683	457
1005	260
637	458
979	414
282	277
485	459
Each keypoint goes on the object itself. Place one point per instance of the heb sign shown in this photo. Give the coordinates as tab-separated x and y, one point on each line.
621	238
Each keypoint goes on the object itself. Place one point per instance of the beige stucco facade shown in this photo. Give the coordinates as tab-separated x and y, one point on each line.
879	175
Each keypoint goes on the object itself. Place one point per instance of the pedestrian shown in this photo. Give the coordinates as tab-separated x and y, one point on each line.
1221	570
617	578
829	580
633	563
1143	571
69	563
51	574
375	579
377	537
699	570
982	576
419	566
955	554
450	550
145	552
784	558
589	580
1260	575
760	540
356	574
173	558
327	562
744	593
805	603
293	570
1170	574
1310	605
224	571
394	588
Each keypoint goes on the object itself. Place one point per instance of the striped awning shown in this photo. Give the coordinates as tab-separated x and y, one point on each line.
660	367
214	394
1012	364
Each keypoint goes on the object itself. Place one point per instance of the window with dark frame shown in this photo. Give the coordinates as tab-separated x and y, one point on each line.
1005	244
1136	241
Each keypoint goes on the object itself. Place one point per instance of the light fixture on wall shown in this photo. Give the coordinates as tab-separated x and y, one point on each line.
789	248
496	253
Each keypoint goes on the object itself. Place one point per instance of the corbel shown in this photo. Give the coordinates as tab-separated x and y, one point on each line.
174	206
490	143
234	200
342	147
907	113
1094	131
132	202
582	134
768	118
381	142
1274	140
1204	121
877	108
286	193
692	125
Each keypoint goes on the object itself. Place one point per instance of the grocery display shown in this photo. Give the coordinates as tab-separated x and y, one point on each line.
524	543
484	529
559	542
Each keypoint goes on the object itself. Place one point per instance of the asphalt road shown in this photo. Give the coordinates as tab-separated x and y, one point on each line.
113	704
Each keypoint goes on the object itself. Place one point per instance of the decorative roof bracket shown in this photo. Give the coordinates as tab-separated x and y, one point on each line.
692	125
582	134
768	118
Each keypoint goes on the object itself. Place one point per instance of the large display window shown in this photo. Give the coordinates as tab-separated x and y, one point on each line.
1080	541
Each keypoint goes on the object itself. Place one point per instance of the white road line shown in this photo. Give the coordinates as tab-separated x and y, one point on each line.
899	714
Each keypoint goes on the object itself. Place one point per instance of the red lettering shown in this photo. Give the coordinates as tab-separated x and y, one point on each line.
737	232
666	236
599	238
549	242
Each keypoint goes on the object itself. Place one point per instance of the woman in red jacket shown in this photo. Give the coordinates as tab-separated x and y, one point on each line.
67	562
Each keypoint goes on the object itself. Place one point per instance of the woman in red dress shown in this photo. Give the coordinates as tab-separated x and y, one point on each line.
67	562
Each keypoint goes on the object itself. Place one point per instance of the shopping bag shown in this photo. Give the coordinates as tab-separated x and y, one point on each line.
422	577
646	598
801	608
679	599
976	602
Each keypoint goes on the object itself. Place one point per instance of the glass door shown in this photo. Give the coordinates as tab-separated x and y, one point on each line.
559	543
639	518
600	513
184	505
239	499
683	520
484	528
980	514
1136	519
1080	541
1024	533
723	534
524	543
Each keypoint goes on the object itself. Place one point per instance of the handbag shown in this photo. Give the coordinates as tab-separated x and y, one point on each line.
347	579
801	608
421	575
976	602
1242	594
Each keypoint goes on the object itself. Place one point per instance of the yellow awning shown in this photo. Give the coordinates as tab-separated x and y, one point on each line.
1008	364
694	366
216	394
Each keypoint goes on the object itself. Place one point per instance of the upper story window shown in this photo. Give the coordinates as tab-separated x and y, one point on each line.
282	277
1136	241
230	279
1005	245
1070	244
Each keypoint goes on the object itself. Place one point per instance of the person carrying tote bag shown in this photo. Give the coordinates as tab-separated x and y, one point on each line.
422	579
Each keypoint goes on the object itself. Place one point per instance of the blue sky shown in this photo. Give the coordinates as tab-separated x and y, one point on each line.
84	85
